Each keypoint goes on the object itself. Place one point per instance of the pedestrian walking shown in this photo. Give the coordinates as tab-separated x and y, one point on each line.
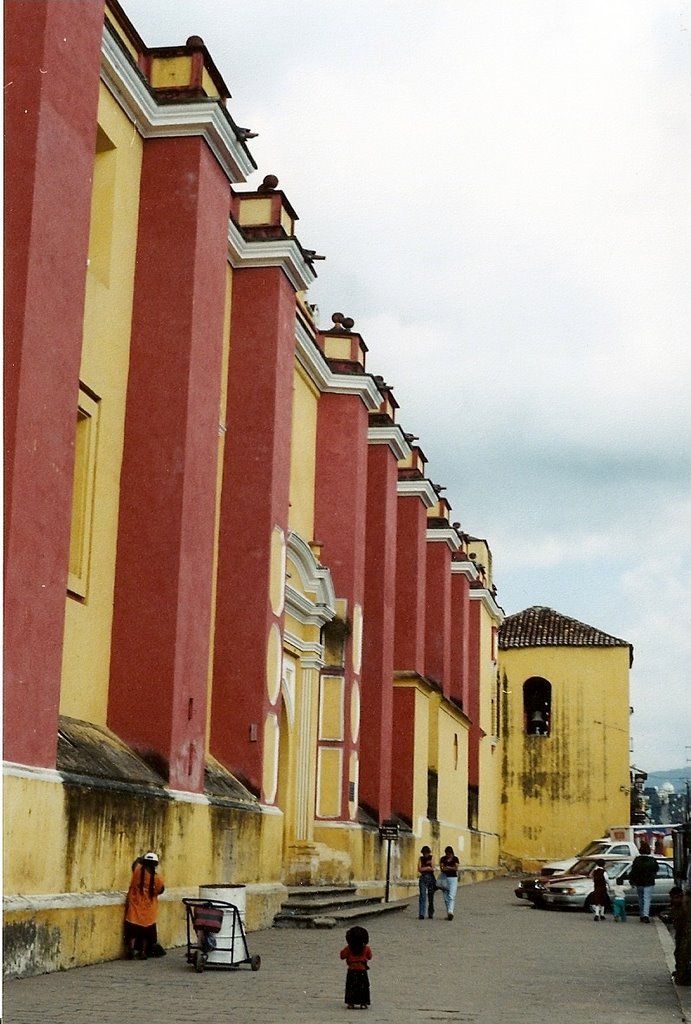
427	883
357	954
642	876
141	906
598	899
448	880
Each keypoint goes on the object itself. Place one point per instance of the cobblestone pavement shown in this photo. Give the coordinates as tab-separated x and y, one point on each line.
498	962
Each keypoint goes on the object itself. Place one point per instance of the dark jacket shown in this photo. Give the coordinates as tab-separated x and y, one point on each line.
643	870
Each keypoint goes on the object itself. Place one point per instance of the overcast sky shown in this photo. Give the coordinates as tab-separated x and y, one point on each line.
501	189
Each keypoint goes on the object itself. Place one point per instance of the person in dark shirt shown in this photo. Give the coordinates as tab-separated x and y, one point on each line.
642	876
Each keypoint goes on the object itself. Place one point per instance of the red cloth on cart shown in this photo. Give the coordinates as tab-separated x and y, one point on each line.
208	918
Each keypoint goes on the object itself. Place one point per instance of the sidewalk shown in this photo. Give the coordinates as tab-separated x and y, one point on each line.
498	962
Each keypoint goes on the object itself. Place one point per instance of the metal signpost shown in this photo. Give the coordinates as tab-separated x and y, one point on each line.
388	830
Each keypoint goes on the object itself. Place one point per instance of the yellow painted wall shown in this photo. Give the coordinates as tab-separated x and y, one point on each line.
303	456
452	768
68	853
565	789
422	759
171	72
330	775
331	707
488	821
299	790
105	357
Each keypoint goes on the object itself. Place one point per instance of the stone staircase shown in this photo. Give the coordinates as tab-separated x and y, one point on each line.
327	906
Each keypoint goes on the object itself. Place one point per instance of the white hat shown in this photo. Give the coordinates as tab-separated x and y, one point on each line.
151	856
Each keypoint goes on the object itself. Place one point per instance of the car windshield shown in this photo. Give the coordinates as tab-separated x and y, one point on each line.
598	846
615	870
583	867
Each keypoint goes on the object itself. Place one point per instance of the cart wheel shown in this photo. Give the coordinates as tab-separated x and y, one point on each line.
199	961
255	963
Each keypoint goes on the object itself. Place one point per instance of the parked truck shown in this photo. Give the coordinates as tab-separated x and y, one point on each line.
658	837
622	841
604	847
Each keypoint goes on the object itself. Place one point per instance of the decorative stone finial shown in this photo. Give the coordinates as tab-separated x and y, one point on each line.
269	183
195	42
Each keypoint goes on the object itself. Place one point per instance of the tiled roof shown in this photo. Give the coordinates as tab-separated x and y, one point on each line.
543	627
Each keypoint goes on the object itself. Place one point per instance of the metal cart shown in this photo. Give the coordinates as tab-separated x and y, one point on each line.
216	935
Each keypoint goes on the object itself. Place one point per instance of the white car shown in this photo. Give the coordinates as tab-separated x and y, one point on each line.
597	848
573	890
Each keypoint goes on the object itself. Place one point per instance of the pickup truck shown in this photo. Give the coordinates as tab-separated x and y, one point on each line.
604	847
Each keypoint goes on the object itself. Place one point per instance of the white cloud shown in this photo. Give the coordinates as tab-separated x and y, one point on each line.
502	194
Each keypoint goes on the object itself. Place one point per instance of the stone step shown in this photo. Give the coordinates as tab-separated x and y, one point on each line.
324	907
312	904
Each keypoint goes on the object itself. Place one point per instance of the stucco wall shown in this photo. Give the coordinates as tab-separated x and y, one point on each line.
564	789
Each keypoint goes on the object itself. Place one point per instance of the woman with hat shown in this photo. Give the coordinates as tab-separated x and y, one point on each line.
141	906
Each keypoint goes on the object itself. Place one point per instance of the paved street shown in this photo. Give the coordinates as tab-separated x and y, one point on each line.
499	962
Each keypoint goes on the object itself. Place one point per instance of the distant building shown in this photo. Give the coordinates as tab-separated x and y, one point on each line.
565	732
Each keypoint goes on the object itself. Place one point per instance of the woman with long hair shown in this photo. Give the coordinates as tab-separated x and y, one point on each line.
448	880
141	906
357	954
427	882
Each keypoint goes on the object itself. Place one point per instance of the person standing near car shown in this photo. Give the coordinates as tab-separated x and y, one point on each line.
599	898
642	877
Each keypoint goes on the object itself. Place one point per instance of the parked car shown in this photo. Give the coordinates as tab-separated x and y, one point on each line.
532	889
604	847
527	890
572	890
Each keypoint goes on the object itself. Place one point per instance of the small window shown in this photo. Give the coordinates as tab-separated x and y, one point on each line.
83	493
537	707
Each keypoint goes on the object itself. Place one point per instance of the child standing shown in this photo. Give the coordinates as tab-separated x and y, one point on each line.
356	955
599	898
618	901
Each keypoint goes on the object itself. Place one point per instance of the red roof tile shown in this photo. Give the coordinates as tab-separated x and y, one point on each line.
543	627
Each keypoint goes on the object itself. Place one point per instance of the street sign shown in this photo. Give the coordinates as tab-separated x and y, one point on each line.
388	831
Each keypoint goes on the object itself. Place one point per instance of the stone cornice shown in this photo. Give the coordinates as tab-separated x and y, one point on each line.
310	654
27	771
168	120
315	580
487	598
281	252
311	358
446	535
418	489
356	384
392	436
320	373
466	568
